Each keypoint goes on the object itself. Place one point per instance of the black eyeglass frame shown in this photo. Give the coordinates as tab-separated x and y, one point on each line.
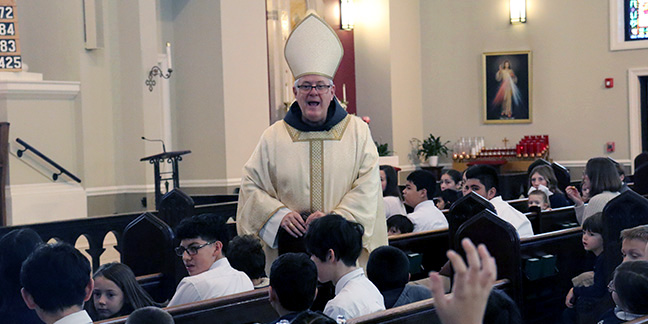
191	250
320	88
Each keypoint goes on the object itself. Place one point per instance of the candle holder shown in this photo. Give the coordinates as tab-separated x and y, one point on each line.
344	104
155	71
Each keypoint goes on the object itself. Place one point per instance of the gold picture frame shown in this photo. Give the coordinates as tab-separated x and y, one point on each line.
507	87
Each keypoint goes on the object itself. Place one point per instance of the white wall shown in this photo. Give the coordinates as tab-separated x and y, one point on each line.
569	44
388	76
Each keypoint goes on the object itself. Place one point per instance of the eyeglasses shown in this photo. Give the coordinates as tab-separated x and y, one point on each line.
321	88
192	250
610	286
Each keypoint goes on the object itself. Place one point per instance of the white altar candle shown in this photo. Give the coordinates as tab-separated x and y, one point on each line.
344	92
168	54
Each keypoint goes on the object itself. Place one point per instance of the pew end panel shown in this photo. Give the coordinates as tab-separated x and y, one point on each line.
463	209
502	242
626	210
175	205
147	249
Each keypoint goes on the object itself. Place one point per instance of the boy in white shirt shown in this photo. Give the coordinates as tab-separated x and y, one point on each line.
418	194
483	180
334	244
202	245
56	282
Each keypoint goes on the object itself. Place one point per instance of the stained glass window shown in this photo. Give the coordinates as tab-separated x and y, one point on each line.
636	19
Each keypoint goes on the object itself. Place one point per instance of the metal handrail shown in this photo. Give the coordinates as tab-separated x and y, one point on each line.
61	169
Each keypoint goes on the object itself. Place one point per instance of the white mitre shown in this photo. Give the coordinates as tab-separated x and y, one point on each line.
313	48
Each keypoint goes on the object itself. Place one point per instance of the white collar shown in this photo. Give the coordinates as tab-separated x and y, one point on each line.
222	262
623	315
423	204
346	278
78	317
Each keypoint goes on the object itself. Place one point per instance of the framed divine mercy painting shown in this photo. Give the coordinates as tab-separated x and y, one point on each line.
507	87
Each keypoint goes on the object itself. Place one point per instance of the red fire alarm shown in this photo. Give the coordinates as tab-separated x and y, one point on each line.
609	147
609	83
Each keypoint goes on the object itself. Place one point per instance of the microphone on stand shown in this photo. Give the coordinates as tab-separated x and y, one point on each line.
156	140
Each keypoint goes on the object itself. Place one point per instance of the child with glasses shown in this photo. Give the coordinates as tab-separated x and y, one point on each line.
203	242
629	289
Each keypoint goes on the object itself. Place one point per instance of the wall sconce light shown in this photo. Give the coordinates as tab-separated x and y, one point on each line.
156	70
347	14
518	11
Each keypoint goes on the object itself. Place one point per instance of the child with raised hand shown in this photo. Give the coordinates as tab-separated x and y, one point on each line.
116	292
466	303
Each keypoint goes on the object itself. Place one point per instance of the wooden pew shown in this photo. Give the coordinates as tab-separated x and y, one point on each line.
641	320
562	248
431	245
521	204
544	293
418	312
246	307
556	219
95	229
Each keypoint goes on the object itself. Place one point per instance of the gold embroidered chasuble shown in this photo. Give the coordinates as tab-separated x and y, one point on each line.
329	171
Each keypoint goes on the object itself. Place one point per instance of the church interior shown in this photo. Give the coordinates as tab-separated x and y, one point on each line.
88	97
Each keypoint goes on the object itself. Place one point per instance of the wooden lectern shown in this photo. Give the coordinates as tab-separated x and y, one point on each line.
168	157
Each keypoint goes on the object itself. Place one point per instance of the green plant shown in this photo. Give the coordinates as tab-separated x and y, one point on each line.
432	146
383	149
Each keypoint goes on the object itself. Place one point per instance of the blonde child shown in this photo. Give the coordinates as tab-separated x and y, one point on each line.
540	199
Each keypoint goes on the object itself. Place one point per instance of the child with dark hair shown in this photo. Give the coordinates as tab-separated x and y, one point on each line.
388	269
116	292
150	315
335	245
15	247
629	289
483	180
450	180
418	193
203	242
399	224
602	180
586	291
634	242
56	283
293	284
310	317
245	253
391	194
446	198
539	198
